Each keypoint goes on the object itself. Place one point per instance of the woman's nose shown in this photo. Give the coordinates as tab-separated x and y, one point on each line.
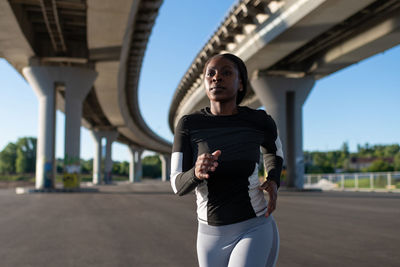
216	77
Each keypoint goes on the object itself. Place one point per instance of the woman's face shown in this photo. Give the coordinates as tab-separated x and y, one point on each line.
222	80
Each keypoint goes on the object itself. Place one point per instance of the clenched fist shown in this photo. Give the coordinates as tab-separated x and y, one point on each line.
206	163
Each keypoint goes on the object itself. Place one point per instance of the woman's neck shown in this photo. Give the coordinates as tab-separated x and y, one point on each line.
218	108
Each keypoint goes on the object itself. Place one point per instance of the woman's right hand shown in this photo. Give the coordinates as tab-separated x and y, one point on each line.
206	163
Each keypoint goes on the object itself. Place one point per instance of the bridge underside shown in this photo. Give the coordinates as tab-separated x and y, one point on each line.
71	33
285	44
67	38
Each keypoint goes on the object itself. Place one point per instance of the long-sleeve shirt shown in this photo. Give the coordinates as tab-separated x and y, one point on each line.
231	193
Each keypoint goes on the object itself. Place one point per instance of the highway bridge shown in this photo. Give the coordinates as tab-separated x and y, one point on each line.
287	45
83	57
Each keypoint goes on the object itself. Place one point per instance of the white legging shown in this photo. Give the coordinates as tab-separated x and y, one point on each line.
251	243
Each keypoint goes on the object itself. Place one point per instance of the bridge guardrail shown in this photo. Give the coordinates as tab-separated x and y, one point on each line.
364	181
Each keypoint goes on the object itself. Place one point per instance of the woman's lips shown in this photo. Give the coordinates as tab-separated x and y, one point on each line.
217	88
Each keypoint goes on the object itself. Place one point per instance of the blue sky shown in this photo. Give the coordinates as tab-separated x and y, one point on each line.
356	105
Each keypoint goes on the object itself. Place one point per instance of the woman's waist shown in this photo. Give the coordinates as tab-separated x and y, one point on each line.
233	228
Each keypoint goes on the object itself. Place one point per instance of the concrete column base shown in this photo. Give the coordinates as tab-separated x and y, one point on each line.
132	151
138	165
78	82
97	136
165	167
110	136
283	99
135	166
43	83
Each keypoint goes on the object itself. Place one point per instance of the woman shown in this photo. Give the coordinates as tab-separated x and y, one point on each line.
216	153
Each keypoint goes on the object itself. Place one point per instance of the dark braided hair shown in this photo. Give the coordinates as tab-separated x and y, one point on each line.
241	67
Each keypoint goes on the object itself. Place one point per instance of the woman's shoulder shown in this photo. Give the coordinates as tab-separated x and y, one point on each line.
259	116
193	116
257	113
189	120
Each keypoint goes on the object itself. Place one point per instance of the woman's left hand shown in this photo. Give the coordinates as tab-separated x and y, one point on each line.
272	189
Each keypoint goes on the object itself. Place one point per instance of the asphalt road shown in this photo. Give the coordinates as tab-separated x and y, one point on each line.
146	225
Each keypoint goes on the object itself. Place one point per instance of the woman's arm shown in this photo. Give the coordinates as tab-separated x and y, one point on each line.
273	160
272	152
183	179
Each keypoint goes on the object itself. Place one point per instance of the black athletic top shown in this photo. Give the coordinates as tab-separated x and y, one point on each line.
231	193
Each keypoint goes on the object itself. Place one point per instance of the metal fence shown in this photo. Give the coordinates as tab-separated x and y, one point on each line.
373	181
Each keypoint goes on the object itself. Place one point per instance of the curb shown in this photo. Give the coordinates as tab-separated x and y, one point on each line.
24	190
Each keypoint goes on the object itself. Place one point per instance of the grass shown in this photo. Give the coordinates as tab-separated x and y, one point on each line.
379	183
30	177
89	178
17	177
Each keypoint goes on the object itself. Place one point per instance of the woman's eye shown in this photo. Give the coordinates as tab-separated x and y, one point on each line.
227	73
210	74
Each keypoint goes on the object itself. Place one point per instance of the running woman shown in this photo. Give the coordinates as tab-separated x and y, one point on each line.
216	153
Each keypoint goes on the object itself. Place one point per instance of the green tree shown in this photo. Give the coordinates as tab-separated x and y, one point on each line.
60	165
121	168
345	149
86	166
391	151
364	151
379	166
323	162
124	168
378	151
116	167
343	160
151	166
396	161
8	157
26	155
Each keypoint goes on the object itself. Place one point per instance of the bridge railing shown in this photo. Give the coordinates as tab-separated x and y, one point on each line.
365	181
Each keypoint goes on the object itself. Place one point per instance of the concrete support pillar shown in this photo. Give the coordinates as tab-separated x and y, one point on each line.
138	165
165	166
42	82
283	99
110	136
78	82
97	136
135	166
132	162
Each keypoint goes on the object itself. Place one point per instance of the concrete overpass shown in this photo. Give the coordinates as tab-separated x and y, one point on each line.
287	46
83	57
